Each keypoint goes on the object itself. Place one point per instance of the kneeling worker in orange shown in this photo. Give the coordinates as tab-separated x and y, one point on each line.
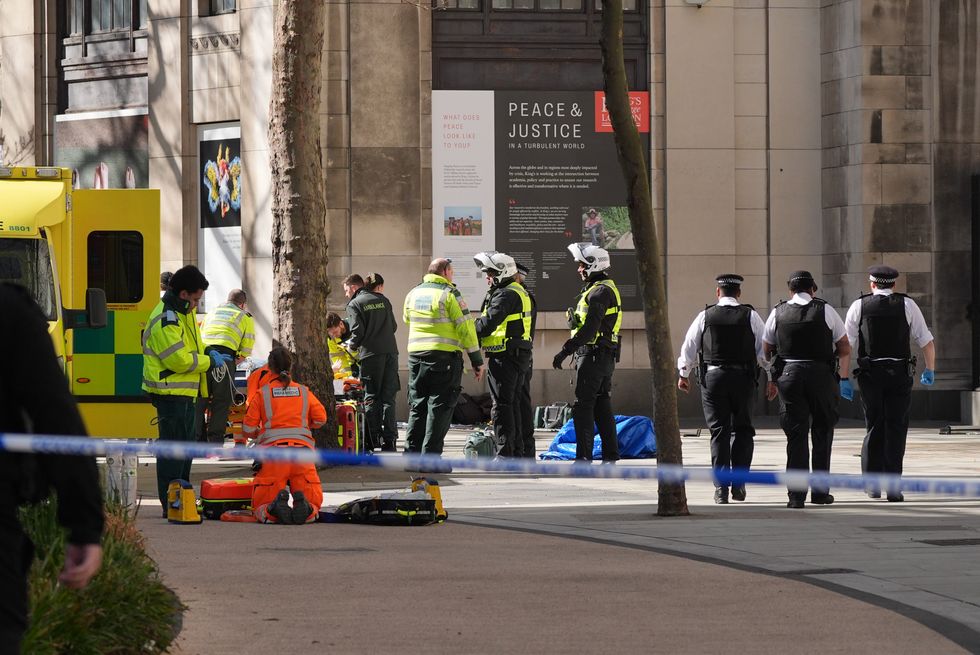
283	413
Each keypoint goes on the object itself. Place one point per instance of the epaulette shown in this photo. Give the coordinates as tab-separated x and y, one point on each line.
249	314
170	318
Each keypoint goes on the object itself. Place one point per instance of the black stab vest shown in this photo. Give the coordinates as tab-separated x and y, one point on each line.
884	330
802	331
727	336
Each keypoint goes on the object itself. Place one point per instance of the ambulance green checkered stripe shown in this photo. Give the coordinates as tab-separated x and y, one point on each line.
97	342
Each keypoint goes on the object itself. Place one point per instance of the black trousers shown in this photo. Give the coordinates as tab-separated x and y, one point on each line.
886	392
593	405
16	553
505	373
526	428
218	401
808	397
175	422
434	382
727	396
379	373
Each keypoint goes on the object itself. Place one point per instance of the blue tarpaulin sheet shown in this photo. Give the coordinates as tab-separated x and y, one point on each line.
635	434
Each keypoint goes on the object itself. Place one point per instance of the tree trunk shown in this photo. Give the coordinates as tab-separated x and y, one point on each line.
671	498
299	243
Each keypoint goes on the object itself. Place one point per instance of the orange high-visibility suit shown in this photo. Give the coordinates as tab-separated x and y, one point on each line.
283	416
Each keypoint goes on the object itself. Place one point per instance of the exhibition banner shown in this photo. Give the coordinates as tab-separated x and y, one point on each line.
220	194
528	173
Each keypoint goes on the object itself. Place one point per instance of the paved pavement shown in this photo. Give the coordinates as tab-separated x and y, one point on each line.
860	574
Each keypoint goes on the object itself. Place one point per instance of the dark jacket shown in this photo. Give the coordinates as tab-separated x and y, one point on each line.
499	303
372	324
34	398
600	299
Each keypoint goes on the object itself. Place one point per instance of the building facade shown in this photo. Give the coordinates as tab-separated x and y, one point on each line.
827	135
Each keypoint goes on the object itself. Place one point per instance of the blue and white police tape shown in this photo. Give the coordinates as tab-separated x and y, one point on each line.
413	462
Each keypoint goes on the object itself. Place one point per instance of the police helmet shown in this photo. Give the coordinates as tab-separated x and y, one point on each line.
596	259
496	264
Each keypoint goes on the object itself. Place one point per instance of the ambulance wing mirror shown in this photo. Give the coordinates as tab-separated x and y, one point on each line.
95	308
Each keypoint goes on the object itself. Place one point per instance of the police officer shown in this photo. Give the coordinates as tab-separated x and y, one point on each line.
174	367
342	359
807	336
504	330
595	321
881	324
440	330
229	330
725	343
526	428
372	337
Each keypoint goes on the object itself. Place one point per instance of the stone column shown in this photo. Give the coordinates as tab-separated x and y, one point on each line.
171	141
256	20
20	84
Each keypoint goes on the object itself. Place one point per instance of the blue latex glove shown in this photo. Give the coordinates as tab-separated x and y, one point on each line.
928	377
846	389
219	359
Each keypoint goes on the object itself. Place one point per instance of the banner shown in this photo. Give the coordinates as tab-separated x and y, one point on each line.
220	208
528	173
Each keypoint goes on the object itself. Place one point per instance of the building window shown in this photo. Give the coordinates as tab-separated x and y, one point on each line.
115	264
221	6
628	5
539	5
108	15
104	16
457	4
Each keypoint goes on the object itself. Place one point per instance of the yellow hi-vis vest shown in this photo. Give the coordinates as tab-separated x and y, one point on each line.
232	327
174	363
582	308
437	318
341	359
497	340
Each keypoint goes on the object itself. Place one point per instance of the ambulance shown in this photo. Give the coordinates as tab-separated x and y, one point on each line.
91	259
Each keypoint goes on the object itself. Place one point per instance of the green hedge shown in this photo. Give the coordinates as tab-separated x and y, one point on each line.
125	609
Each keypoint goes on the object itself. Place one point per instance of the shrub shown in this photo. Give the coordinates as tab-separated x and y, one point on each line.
125	608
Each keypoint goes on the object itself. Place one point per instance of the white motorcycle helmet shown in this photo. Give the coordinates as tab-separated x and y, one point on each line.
496	264
596	259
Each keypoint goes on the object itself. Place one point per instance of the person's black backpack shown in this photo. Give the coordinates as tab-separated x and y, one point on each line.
467	411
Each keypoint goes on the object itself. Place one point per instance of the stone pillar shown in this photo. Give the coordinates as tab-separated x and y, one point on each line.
256	21
389	232
171	140
336	134
20	83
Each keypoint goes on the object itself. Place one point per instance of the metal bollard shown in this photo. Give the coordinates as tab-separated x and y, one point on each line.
119	481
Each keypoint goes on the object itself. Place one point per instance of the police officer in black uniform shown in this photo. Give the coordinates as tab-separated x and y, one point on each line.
372	337
504	330
807	336
881	324
594	321
526	429
725	344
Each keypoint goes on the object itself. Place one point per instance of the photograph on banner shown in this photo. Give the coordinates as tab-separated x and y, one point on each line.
607	227
221	183
462	222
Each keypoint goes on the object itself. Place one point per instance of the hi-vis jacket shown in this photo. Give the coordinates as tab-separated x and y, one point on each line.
283	415
438	319
506	317
598	313
341	359
174	363
232	327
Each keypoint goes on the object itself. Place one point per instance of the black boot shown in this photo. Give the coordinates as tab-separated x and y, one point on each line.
721	495
301	508
280	509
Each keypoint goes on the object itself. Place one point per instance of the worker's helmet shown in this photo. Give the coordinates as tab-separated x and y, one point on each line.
595	258
496	264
